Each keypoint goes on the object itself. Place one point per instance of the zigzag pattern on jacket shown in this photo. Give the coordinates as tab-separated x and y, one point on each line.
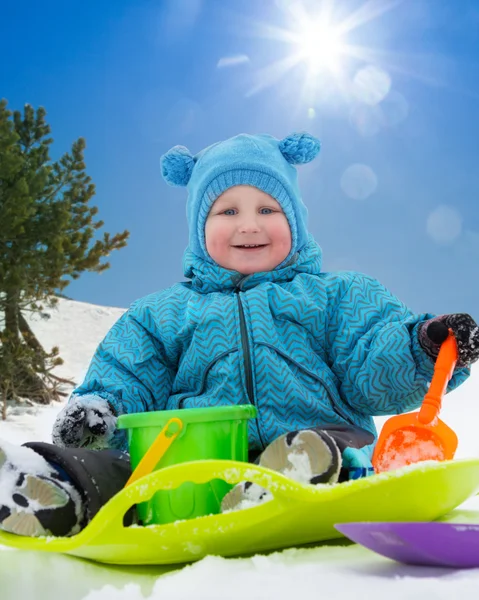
324	348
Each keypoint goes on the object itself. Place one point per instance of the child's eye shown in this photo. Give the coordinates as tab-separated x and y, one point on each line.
232	211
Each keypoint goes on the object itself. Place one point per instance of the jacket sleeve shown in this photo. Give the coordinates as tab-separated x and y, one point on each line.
374	351
130	368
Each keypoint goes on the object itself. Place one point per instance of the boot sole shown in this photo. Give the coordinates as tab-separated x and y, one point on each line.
39	494
285	453
31	493
319	449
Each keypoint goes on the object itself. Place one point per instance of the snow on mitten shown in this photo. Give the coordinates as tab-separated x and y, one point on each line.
433	333
86	422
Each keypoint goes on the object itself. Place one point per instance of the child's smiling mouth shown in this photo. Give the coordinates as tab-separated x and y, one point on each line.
250	247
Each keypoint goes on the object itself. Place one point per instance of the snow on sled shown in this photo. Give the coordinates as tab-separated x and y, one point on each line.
298	514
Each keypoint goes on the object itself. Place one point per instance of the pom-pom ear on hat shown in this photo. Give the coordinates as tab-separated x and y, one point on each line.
177	165
299	148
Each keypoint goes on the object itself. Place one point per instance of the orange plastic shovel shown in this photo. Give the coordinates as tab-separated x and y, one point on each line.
418	436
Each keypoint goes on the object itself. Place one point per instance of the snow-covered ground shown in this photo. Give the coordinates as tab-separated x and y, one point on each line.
77	328
328	572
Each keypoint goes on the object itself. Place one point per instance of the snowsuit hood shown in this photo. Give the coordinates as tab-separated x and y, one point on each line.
259	161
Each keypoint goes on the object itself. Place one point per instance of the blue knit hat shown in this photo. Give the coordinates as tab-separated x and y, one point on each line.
260	161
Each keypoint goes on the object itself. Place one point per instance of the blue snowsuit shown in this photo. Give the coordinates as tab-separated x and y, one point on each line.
305	347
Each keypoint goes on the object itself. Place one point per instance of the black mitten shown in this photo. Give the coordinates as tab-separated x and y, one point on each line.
433	333
85	422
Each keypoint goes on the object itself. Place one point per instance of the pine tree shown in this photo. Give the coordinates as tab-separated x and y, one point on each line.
48	236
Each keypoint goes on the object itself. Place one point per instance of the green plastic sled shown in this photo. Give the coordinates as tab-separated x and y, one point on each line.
298	514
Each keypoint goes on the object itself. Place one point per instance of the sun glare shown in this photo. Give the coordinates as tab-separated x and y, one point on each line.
321	46
318	40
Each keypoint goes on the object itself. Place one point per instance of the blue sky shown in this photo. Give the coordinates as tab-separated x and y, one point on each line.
395	192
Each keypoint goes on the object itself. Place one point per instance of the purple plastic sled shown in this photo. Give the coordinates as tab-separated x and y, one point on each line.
452	545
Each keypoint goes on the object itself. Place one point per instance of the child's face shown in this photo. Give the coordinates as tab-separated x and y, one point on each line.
246	215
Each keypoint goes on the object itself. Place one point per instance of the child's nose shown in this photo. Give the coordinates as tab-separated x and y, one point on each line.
248	225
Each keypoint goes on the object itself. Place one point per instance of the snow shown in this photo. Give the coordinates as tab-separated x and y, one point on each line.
30	460
334	571
408	446
301	466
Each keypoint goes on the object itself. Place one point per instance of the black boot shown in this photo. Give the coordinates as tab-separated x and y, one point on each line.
308	456
35	500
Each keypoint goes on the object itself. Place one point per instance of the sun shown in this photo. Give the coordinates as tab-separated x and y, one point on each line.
318	40
321	46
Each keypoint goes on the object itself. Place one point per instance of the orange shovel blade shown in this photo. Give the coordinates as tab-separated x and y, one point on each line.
419	436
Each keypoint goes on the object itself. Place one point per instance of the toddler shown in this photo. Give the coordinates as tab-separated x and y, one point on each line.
257	322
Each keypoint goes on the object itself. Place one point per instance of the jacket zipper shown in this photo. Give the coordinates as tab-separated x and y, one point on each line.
247	359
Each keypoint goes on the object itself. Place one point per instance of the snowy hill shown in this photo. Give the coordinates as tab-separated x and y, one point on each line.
330	572
77	328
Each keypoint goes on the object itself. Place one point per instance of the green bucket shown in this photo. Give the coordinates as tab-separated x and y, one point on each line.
208	433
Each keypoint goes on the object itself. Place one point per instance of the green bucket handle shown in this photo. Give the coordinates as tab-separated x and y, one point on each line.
157	450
